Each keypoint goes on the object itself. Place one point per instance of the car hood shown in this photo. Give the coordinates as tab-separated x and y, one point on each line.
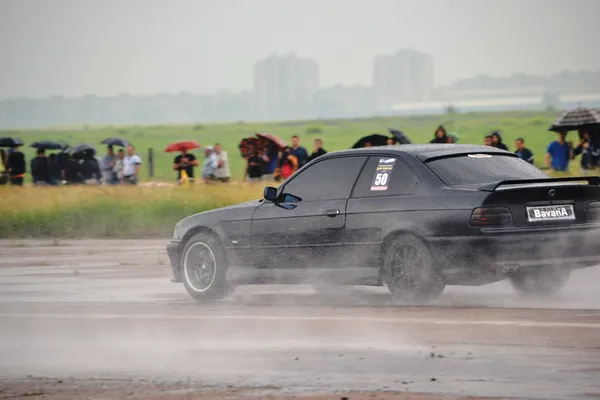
211	218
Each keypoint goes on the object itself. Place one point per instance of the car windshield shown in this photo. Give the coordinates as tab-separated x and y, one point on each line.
474	169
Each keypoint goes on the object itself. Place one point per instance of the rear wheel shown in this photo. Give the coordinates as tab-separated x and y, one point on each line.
204	268
541	281
409	273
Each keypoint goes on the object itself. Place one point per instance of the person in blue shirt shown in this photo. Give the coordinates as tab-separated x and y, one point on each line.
559	153
523	152
298	151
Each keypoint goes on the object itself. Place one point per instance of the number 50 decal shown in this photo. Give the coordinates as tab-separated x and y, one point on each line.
382	174
381	179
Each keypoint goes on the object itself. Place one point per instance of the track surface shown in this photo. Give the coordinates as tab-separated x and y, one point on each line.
82	311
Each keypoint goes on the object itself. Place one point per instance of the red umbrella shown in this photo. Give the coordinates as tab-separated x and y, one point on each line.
246	143
278	142
182	145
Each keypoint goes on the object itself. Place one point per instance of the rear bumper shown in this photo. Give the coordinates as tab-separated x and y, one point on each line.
566	247
174	254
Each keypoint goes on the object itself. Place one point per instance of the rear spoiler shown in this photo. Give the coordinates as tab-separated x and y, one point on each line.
495	186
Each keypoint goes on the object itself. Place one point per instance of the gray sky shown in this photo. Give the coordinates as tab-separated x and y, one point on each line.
106	47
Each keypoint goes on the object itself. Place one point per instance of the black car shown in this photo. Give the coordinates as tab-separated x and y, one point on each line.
413	217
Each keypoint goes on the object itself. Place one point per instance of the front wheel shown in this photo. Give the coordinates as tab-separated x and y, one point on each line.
409	272
204	268
541	281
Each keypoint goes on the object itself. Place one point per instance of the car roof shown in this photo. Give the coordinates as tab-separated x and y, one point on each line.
427	152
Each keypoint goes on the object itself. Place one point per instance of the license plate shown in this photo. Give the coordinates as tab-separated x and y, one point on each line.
550	213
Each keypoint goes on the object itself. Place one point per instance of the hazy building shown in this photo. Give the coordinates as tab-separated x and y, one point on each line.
406	76
284	86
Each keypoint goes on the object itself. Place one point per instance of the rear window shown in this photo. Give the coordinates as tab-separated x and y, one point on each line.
476	169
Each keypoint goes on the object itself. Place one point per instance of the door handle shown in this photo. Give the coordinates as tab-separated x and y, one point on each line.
332	213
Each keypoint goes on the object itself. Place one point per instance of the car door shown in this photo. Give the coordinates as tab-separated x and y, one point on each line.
382	200
297	234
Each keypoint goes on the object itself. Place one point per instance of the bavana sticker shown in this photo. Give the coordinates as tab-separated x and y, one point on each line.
480	156
383	173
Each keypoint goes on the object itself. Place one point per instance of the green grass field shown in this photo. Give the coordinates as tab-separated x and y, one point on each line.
337	134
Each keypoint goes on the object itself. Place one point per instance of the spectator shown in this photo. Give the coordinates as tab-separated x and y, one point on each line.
440	135
131	166
587	151
3	170
368	144
391	141
559	153
108	164
318	150
118	168
73	170
523	152
298	151
222	173
40	169
254	170
16	166
288	163
452	137
55	175
487	141
272	154
185	162
90	169
210	165
497	141
62	160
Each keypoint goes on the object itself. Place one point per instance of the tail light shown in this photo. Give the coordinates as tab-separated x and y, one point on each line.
593	212
491	216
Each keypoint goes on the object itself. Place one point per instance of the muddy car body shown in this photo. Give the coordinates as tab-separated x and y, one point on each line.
413	217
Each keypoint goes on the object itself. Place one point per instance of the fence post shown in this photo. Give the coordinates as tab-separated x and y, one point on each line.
150	163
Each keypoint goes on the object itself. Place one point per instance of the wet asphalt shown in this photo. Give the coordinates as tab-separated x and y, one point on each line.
106	310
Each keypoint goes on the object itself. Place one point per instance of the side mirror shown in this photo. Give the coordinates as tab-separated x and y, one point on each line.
270	194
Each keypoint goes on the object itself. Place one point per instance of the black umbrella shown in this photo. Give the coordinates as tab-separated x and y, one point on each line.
115	141
48	145
81	148
375	140
10	142
576	119
400	137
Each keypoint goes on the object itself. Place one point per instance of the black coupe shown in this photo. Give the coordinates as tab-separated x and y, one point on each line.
414	218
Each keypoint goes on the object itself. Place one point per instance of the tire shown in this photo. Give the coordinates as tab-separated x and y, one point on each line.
204	268
541	282
409	272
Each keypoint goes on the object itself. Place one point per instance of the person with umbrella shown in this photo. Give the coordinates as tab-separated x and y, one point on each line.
90	168
16	166
109	161
185	162
40	169
108	165
587	150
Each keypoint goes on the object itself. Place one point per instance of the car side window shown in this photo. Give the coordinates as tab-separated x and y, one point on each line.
385	176
329	179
